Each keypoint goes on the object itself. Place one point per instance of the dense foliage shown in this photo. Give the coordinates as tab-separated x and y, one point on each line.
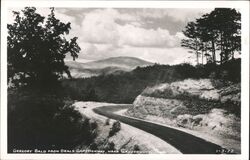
116	127
37	48
124	88
38	121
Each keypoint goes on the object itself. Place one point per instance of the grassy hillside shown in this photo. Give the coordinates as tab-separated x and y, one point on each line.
125	87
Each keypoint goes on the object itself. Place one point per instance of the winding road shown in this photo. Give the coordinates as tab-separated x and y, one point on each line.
184	142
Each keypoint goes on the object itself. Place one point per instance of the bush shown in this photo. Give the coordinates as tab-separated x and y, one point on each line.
93	146
115	128
107	122
93	135
136	148
110	146
93	125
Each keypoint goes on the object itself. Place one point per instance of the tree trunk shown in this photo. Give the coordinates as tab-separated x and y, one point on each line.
202	53
221	59
232	50
213	52
226	51
222	51
197	57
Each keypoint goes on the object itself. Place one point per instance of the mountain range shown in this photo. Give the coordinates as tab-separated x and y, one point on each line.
113	65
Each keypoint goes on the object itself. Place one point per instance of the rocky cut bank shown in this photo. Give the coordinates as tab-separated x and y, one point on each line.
210	107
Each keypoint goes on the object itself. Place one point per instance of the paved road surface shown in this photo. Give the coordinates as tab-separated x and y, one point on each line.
184	142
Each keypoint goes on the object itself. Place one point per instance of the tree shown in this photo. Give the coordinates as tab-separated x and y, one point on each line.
37	48
208	36
216	31
192	42
226	24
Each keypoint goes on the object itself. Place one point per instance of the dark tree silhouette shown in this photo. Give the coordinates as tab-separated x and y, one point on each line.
227	26
218	31
194	41
37	48
207	37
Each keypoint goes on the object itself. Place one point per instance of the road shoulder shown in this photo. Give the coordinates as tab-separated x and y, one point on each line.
147	141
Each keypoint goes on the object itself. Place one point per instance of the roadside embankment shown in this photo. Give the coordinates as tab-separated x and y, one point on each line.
205	107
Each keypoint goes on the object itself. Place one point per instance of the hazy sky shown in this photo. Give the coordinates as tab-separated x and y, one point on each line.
150	34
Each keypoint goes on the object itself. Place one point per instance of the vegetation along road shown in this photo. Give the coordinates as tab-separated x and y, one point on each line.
184	142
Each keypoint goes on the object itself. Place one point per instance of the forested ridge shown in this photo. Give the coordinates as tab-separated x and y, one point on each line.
124	88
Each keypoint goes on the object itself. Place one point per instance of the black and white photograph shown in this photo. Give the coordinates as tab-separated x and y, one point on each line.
117	80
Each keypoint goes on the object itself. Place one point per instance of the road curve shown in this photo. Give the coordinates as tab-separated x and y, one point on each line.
184	142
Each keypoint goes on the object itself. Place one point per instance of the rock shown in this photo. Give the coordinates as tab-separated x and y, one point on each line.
197	119
231	89
193	104
203	88
231	98
231	93
210	95
179	110
162	107
184	120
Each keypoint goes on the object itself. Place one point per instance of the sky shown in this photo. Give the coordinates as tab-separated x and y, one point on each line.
151	34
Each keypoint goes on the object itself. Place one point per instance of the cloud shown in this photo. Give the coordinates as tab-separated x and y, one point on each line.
101	36
104	33
156	55
140	37
100	27
96	51
185	15
177	14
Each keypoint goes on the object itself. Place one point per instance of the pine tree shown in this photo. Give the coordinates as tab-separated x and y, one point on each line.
217	31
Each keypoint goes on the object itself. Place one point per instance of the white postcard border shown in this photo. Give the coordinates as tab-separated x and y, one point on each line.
244	9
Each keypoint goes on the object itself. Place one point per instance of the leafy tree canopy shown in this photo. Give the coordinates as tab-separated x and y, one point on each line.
37	47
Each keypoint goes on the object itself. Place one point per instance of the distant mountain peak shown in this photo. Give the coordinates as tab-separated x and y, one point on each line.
109	65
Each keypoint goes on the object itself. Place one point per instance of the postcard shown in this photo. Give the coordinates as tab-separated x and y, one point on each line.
124	80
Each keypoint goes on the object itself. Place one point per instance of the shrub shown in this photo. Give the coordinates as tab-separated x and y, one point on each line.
93	146
110	146
93	134
212	75
218	84
136	148
93	125
107	122
115	128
